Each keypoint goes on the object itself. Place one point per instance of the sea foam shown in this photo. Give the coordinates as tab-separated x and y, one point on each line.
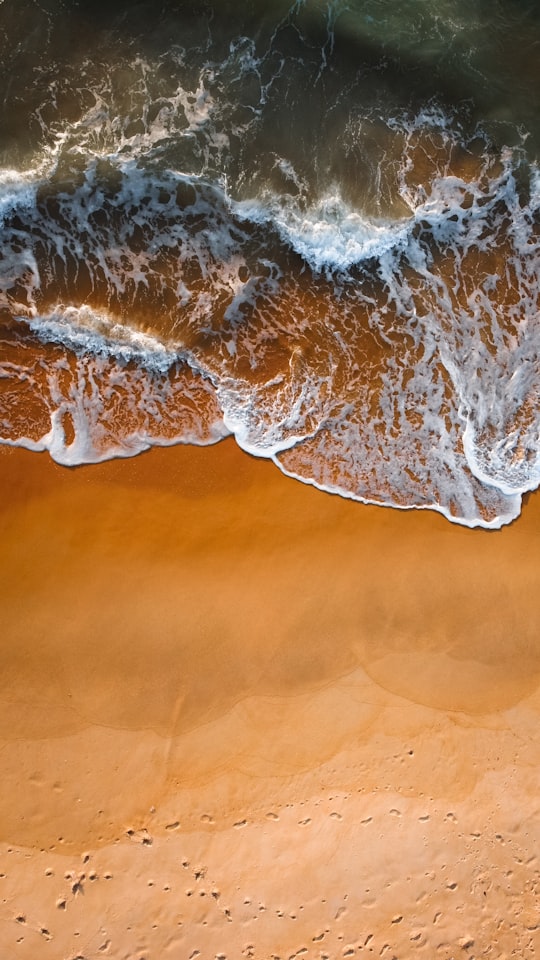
378	340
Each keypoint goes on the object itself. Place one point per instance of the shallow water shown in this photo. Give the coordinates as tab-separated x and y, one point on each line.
313	226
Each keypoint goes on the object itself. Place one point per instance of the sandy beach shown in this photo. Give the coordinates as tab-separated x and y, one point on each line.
243	718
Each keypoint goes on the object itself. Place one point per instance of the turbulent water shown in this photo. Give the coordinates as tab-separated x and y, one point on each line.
314	226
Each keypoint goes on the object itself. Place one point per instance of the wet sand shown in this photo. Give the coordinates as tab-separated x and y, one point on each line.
242	718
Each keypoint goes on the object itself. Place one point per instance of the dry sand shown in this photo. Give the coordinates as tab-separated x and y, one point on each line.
242	718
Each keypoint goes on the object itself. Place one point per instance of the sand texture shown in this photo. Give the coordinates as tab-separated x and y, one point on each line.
240	718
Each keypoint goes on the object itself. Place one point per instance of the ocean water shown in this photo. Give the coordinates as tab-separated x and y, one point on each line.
312	225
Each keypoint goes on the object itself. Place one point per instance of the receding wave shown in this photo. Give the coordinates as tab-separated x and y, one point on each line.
362	308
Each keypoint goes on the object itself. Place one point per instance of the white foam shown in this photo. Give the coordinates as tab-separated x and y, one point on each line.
85	330
17	191
510	511
328	235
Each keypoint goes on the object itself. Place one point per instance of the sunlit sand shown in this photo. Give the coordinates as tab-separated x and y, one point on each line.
245	718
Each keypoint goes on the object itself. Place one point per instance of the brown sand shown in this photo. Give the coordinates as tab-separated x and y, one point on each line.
241	718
